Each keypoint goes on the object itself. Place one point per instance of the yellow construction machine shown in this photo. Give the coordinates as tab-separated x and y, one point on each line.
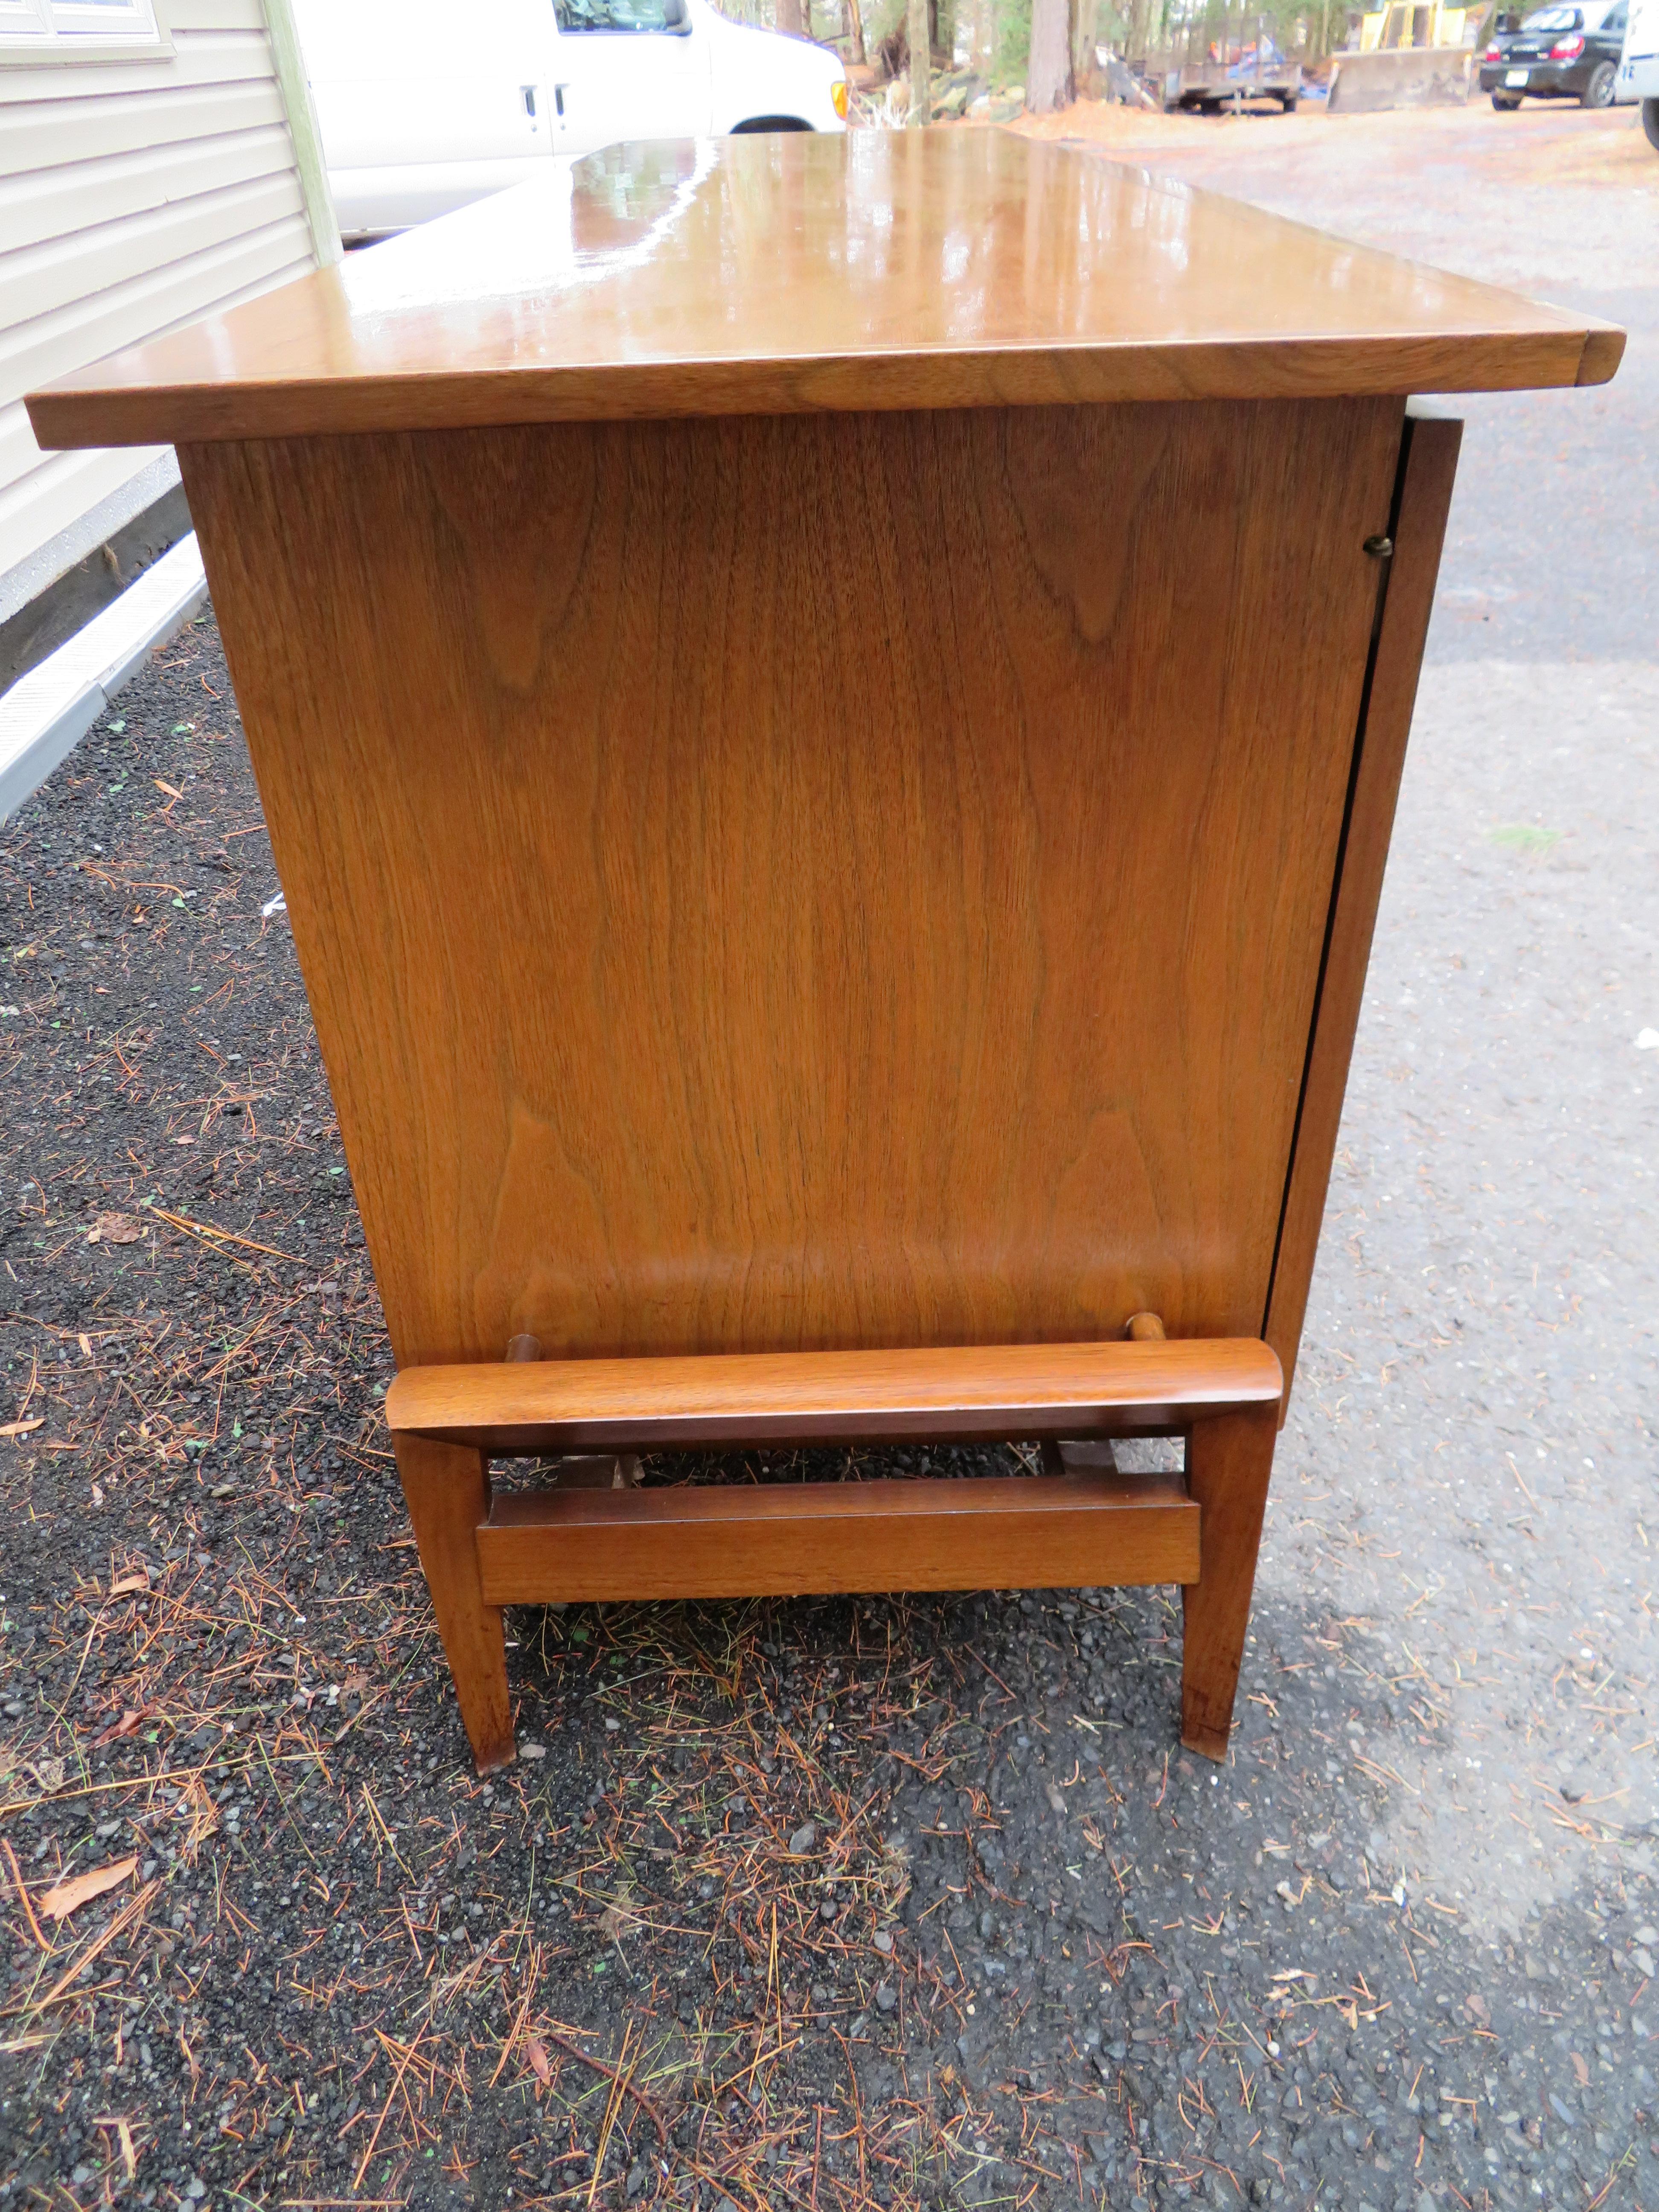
1411	53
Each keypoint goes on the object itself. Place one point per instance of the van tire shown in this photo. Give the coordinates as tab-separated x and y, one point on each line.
769	123
1651	122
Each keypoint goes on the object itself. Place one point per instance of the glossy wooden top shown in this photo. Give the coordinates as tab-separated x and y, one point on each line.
798	273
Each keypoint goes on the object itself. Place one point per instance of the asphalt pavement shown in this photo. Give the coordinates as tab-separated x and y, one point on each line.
1470	1480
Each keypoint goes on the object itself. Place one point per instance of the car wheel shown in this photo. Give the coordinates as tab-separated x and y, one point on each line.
1651	122
1504	102
1598	91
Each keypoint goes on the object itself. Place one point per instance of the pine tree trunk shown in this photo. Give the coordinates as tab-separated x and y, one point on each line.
788	16
1048	78
855	31
1084	35
921	89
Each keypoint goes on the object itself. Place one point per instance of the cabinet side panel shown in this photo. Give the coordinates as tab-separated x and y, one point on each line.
791	883
1428	464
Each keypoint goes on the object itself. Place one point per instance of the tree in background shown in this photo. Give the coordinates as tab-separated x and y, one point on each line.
920	32
1047	46
1085	35
1048	84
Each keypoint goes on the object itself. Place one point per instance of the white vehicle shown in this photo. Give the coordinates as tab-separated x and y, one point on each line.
424	106
1639	65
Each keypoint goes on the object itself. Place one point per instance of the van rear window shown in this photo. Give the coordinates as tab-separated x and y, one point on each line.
617	14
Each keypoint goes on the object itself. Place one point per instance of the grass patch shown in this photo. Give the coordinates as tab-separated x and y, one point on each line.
1525	837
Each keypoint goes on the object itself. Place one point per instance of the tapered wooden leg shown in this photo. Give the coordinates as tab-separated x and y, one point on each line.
447	1489
1228	1464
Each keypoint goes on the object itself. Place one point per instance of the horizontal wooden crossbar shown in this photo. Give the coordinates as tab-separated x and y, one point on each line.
783	1539
1011	1391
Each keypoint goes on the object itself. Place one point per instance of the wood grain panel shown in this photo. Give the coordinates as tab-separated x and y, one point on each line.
1002	1390
446	1489
801	883
804	272
786	1540
1428	466
1228	1466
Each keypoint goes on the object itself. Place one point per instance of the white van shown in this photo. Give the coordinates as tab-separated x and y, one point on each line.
424	106
1639	65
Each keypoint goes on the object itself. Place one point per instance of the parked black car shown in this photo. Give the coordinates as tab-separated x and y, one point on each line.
1560	52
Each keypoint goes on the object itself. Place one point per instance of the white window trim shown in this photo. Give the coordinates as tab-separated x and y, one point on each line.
53	33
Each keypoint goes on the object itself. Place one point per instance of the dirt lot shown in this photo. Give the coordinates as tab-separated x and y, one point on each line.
884	1902
1543	145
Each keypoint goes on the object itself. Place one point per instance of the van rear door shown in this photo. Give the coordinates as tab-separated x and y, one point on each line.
424	106
1639	69
627	69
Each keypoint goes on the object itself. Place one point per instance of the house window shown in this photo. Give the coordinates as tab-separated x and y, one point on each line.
79	30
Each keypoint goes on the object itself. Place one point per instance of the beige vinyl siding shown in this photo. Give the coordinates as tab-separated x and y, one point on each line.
37	502
152	299
135	196
41	135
